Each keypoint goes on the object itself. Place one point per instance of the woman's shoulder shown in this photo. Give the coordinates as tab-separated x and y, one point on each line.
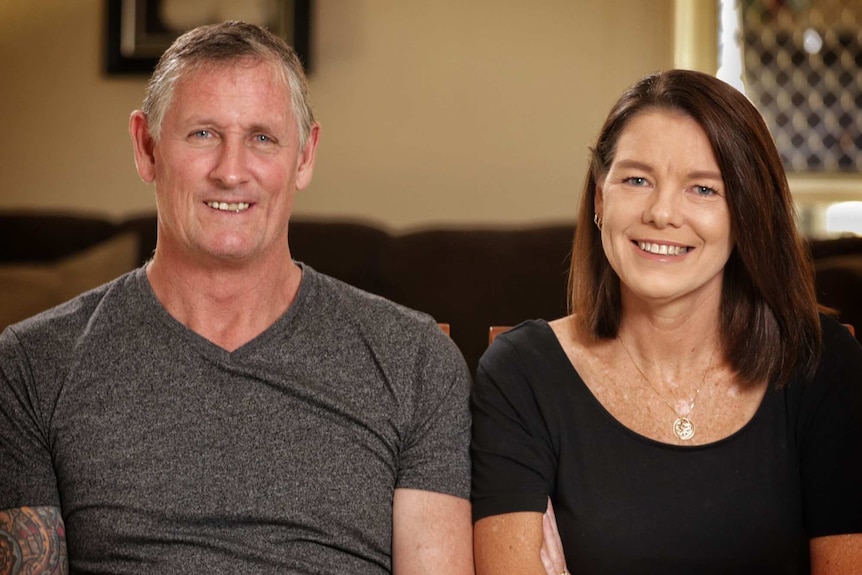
533	347
527	366
526	331
838	337
838	378
528	338
840	355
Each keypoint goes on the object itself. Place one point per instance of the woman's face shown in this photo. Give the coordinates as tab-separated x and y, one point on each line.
666	223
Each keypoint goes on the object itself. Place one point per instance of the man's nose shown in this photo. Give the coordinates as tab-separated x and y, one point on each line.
231	162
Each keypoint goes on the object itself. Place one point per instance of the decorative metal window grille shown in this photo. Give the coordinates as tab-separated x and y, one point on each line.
803	70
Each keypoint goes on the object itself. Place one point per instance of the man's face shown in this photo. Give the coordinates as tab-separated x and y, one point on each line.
227	166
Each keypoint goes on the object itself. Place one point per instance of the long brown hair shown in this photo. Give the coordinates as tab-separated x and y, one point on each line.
769	314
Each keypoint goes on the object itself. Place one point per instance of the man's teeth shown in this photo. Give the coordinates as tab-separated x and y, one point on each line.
226	207
662	249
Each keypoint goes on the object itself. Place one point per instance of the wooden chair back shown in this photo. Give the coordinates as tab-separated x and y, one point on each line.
496	330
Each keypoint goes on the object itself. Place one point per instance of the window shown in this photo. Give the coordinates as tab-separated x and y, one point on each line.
800	63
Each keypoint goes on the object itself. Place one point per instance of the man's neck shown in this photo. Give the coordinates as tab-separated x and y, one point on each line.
227	304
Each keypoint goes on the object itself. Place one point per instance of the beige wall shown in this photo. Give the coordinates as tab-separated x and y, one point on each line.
453	112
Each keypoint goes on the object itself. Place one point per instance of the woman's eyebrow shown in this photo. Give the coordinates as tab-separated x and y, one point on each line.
698	174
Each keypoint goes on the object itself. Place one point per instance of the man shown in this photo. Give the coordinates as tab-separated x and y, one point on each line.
224	409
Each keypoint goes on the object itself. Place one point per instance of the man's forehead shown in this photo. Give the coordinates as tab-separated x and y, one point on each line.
237	71
241	89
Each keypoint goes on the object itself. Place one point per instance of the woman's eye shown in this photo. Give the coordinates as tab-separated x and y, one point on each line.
636	181
705	191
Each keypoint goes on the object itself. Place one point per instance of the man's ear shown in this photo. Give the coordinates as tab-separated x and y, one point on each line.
305	162
144	145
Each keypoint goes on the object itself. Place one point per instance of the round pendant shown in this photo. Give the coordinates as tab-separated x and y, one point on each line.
683	428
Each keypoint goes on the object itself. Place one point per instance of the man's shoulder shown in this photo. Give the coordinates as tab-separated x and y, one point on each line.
61	325
384	325
363	305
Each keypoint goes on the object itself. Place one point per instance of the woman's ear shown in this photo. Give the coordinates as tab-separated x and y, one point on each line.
597	199
144	145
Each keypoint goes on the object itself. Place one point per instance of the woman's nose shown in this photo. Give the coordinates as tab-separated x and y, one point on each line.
663	207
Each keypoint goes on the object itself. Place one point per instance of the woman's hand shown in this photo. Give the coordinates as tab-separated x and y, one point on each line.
552	546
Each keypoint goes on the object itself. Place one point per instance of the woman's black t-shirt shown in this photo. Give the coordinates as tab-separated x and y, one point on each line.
629	504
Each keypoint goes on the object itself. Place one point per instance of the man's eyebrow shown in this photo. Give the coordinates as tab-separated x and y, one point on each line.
208	121
259	127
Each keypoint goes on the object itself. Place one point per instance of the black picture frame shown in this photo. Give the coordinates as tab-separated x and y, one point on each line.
136	37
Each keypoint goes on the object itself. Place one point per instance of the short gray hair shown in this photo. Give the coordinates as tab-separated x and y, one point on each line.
226	43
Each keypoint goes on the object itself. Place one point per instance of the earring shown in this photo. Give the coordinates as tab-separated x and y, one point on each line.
597	219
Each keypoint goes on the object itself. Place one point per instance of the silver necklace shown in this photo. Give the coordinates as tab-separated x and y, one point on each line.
683	426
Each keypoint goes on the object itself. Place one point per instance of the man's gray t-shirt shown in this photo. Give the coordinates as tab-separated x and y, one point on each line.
168	454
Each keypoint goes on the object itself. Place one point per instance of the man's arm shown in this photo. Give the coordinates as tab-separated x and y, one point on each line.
431	534
32	540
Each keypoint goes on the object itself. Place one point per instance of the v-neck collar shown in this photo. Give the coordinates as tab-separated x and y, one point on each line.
151	305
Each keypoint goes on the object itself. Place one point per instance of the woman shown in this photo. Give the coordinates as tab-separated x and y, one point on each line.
695	413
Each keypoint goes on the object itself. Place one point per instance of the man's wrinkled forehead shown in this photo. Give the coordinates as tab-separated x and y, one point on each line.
197	77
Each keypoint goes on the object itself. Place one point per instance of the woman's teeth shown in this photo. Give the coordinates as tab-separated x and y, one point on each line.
662	249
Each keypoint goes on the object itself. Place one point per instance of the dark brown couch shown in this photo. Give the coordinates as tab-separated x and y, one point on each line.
468	278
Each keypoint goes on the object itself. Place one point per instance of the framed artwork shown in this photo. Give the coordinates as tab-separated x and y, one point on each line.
139	31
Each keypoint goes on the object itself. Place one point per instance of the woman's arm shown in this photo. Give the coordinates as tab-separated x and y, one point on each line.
837	555
553	557
513	532
514	458
509	543
832	464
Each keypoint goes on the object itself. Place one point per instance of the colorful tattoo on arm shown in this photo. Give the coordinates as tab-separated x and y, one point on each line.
32	540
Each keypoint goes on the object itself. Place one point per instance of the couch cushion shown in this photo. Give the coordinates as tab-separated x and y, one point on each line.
473	279
145	227
346	251
821	249
33	236
839	285
29	288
